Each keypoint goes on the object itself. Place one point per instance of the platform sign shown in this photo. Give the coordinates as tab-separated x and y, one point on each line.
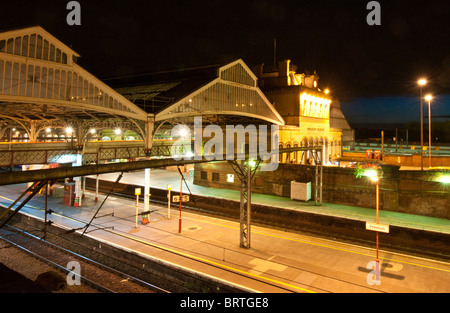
377	227
184	198
169	186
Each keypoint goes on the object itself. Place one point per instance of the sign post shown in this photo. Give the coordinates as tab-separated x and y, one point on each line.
137	192
377	227
169	188
183	198
181	193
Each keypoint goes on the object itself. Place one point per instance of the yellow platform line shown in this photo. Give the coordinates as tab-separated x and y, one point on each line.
320	245
271	235
190	256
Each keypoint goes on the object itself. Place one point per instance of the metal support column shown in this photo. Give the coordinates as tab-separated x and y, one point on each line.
318	162
245	171
35	188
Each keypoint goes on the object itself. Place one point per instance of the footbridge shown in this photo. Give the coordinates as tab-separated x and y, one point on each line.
244	165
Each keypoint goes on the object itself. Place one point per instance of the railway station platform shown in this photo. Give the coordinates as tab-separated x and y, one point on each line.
159	179
278	260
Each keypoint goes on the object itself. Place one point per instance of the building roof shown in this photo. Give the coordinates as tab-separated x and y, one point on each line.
155	91
229	89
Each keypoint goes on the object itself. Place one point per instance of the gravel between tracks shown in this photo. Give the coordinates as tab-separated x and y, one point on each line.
30	267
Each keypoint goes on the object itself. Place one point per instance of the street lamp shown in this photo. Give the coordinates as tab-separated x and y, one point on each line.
422	82
428	98
375	177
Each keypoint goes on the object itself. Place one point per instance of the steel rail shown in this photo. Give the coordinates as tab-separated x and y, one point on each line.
86	259
58	266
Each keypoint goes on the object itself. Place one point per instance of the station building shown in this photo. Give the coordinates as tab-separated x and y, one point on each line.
42	88
312	116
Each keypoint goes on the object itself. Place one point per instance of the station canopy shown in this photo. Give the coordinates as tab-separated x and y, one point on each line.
42	85
41	80
222	93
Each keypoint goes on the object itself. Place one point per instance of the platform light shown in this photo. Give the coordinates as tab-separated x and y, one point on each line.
443	178
92	131
372	174
117	131
183	132
422	82
69	130
48	129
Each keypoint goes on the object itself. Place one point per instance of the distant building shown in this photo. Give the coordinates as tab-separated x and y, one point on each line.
312	116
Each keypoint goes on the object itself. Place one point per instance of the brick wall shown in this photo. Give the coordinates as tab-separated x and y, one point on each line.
411	192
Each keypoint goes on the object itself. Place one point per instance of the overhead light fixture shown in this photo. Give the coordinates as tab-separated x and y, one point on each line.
422	82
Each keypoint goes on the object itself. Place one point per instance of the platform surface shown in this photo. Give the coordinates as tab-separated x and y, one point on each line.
277	261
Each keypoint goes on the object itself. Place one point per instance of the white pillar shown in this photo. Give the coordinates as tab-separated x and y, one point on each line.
147	190
77	202
77	180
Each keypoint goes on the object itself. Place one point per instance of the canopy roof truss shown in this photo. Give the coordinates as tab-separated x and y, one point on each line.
233	92
39	80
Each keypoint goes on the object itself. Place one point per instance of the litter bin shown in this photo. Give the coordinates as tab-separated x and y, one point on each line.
69	193
145	217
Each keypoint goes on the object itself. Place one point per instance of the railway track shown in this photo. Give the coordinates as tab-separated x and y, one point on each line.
116	283
66	263
120	264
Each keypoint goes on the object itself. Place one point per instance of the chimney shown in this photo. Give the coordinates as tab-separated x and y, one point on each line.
283	72
258	70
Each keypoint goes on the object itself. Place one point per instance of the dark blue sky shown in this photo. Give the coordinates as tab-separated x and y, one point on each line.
393	110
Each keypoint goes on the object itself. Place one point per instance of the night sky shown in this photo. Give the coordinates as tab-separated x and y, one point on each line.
354	60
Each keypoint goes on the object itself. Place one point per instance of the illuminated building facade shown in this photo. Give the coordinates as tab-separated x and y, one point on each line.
312	116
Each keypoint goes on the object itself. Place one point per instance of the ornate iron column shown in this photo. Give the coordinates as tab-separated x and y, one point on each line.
245	171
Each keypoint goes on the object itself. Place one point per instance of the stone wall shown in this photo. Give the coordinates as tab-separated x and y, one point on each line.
413	192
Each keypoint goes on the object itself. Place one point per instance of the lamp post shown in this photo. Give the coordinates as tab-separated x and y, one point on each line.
428	98
137	192
169	188
374	177
422	82
181	197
